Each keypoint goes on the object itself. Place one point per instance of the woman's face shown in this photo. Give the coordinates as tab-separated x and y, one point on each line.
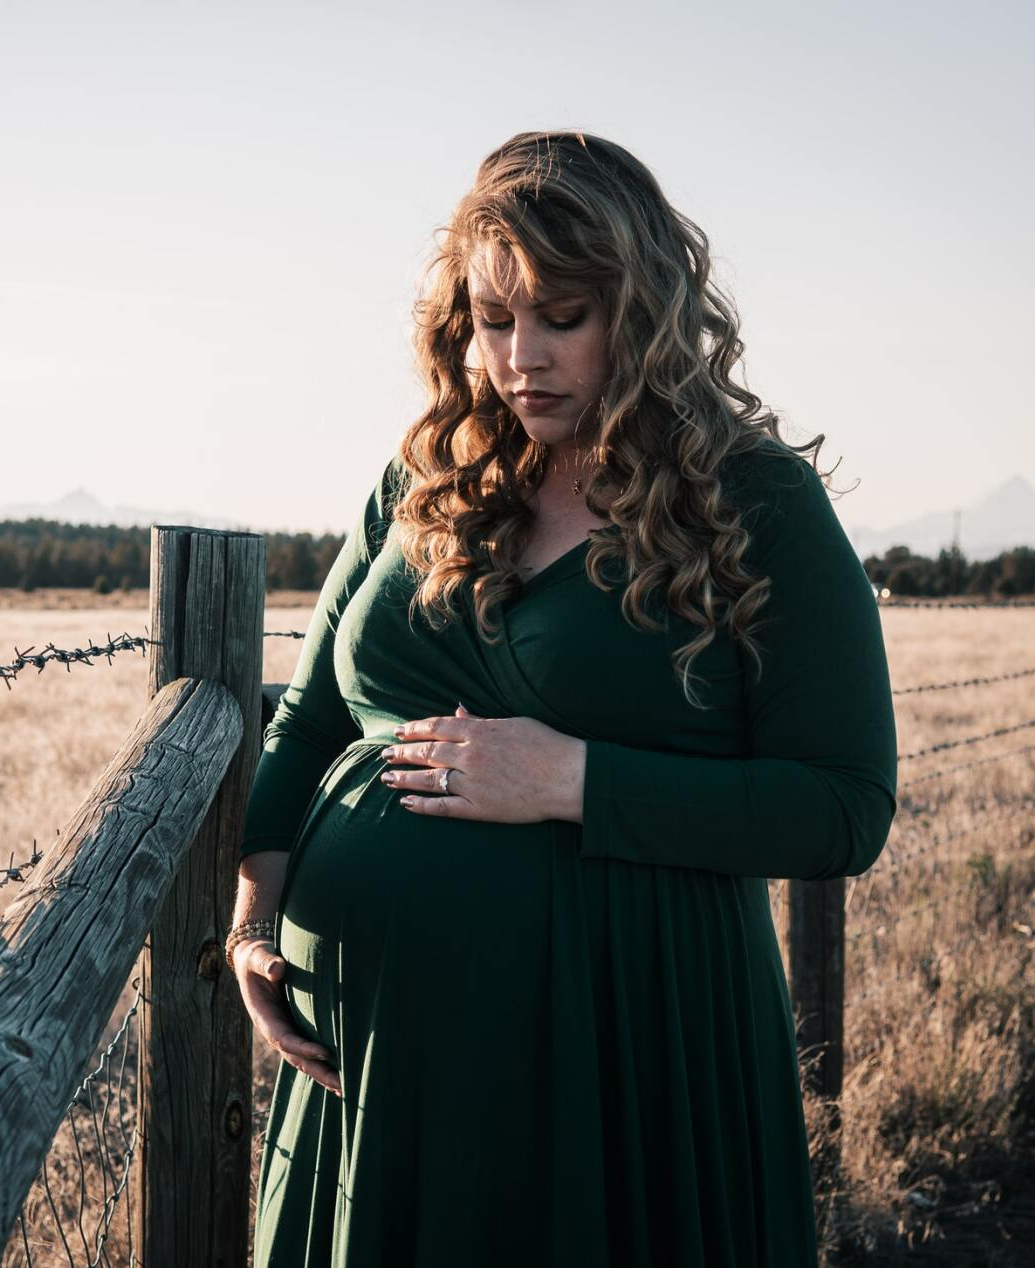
554	344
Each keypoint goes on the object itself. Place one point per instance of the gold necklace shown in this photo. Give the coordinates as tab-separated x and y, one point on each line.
576	486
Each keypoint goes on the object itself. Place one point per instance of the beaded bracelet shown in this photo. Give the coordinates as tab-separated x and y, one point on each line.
247	930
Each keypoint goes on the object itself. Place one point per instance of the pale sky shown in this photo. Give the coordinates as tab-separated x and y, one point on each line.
213	214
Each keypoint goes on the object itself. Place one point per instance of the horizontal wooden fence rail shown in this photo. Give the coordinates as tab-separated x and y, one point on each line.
69	941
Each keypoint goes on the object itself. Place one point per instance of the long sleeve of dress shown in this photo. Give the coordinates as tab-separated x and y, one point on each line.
815	793
312	724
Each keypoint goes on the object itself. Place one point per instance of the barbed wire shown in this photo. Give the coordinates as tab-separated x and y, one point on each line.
972	739
114	1174
928	604
19	871
125	641
68	657
978	761
962	682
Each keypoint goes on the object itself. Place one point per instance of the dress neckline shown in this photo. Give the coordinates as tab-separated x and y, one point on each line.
554	564
569	562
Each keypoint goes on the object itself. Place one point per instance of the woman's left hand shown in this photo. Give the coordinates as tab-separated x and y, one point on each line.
507	770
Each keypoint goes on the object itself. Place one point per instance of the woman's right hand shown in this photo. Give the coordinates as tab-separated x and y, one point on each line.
260	970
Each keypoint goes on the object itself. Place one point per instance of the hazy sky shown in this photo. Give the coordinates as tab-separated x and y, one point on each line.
213	216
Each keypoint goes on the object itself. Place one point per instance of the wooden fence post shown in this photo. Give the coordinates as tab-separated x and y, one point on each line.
814	936
191	1185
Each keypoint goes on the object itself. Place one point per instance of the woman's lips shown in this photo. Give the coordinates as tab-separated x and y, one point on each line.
538	401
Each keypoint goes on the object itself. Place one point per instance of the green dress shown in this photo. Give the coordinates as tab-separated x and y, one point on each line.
565	1045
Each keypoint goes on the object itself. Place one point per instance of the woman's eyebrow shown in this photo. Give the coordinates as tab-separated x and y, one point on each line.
494	301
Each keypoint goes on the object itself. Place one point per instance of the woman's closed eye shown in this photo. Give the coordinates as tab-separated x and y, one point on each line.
569	324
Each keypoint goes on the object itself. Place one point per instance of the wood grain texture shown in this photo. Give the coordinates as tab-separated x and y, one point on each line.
68	942
191	1189
814	936
814	933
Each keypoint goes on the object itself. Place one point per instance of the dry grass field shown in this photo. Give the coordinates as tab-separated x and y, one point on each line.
938	1148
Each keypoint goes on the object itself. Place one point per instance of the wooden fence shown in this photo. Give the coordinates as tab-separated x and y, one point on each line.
147	868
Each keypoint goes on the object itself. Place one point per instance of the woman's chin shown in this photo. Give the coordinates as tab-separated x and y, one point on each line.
547	431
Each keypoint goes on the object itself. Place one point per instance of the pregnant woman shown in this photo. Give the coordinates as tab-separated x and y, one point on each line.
595	661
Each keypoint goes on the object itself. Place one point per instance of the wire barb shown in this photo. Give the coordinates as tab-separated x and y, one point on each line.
125	642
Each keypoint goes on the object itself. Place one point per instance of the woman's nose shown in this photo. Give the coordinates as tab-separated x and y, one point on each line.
528	350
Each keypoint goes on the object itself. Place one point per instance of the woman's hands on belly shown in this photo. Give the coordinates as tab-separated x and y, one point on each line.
505	770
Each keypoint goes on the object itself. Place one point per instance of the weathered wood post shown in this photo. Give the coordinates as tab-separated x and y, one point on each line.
191	1186
814	937
814	933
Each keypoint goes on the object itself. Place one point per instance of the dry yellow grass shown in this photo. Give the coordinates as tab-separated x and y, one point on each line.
938	1145
939	1099
70	599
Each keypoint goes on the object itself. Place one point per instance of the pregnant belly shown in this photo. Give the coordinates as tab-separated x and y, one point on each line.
379	897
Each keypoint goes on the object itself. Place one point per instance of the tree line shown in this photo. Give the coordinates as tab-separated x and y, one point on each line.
1008	574
41	553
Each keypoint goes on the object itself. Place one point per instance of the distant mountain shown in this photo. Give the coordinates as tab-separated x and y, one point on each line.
81	507
1005	518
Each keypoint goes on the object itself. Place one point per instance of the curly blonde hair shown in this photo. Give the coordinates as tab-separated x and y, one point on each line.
573	210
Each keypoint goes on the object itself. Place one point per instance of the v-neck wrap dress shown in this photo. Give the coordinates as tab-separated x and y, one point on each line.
565	1044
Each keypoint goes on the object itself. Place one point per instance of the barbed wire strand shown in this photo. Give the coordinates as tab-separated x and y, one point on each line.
978	761
971	739
17	871
128	642
69	656
963	682
124	642
928	604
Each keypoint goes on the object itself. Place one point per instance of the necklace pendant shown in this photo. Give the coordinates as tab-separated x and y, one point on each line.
577	486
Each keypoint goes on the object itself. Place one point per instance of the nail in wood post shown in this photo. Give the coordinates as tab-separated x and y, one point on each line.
191	1183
